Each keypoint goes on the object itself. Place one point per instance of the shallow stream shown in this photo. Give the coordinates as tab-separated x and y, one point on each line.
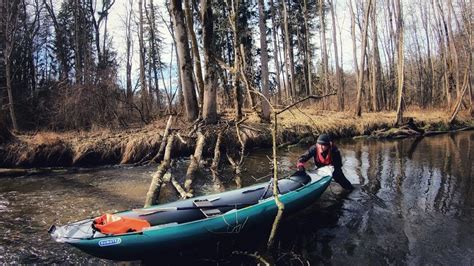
414	204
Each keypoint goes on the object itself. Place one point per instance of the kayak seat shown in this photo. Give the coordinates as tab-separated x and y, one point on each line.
206	207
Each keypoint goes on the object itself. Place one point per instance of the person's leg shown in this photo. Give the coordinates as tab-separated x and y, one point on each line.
340	178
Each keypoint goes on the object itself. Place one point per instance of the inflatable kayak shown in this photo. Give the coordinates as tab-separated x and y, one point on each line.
134	234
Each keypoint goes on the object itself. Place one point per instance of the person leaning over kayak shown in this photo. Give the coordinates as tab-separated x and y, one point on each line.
326	153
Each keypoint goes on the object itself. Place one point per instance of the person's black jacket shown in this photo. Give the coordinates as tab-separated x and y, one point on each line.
311	152
336	158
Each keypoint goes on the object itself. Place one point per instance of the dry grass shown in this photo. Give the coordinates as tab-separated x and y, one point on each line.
45	138
347	124
130	146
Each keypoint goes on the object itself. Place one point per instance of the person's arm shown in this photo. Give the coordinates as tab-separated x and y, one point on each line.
306	156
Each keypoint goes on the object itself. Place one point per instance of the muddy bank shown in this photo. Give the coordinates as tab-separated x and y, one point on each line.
138	146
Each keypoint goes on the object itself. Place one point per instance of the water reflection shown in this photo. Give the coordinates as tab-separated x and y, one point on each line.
413	205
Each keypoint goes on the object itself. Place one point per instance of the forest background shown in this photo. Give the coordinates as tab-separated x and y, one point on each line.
65	70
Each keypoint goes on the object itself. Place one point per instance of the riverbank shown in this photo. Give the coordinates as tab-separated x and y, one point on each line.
139	145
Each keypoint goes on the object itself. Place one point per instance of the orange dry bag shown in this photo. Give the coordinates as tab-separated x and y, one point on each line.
112	224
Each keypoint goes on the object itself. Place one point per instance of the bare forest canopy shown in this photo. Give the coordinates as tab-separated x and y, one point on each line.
61	69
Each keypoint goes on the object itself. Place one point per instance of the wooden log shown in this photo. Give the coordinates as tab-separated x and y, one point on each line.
157	178
194	165
161	150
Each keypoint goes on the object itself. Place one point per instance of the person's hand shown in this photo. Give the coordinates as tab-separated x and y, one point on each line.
300	167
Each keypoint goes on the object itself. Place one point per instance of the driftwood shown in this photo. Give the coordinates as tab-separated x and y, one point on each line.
157	178
194	165
161	150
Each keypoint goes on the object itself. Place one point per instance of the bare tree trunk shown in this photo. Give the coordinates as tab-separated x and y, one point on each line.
276	50
103	15
339	85
78	53
185	64
210	87
360	79
195	50
354	44
376	66
289	52
234	7
400	66
60	47
129	54
10	31
154	53
453	50
141	44
308	56
243	73
324	51
446	54
264	60
459	100
430	73
391	53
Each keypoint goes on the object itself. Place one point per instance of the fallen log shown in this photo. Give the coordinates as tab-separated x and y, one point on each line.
157	178
194	165
161	150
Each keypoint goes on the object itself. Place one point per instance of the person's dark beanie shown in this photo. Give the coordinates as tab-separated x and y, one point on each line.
324	139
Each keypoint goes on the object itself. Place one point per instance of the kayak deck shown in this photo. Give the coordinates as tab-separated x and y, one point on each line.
176	223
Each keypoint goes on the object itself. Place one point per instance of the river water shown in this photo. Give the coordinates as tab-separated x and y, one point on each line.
413	204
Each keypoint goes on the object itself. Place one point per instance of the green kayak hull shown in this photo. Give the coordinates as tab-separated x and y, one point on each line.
173	236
